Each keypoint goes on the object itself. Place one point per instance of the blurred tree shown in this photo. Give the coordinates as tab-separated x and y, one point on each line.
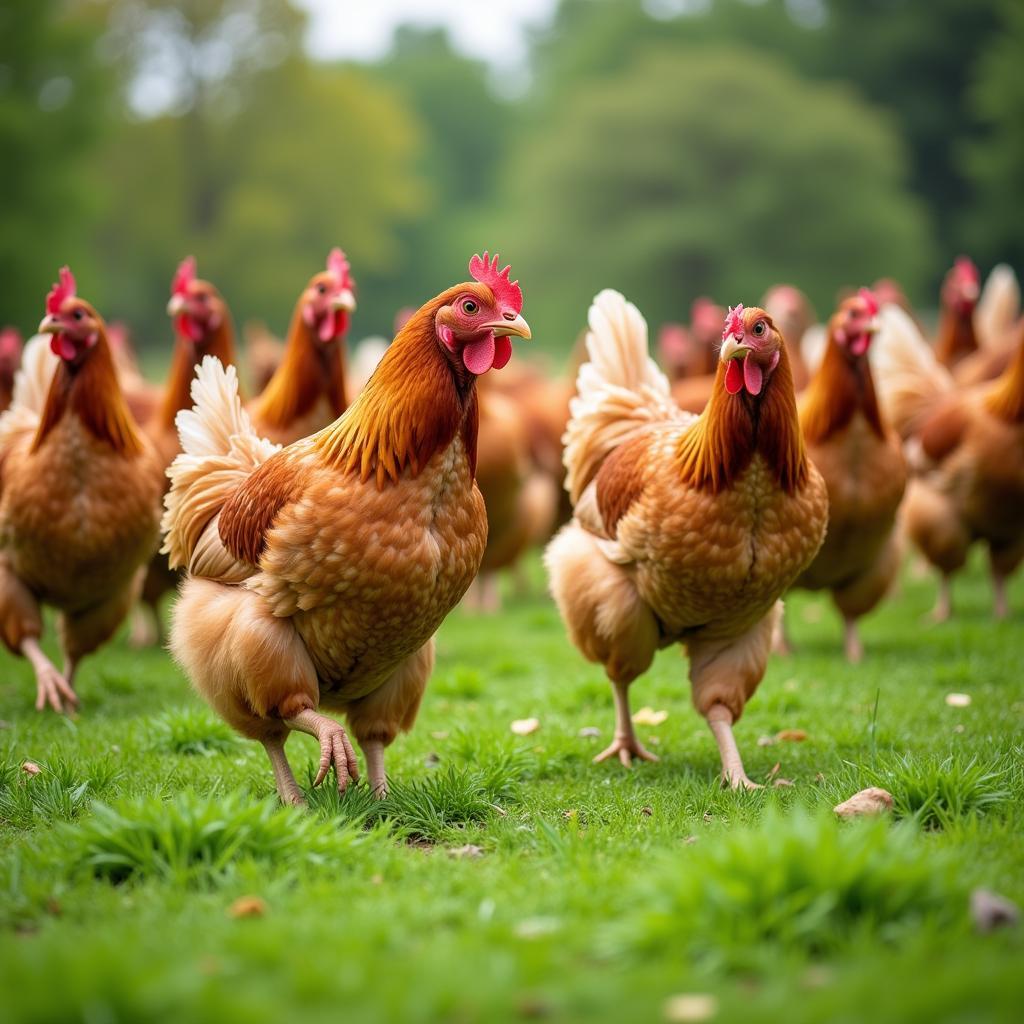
720	174
465	138
995	224
258	161
52	110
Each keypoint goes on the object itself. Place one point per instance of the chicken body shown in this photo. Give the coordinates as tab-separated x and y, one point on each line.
79	507
318	574
861	460
686	529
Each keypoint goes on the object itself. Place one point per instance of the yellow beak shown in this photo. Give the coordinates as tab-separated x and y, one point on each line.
732	347
176	305
344	300
509	328
49	324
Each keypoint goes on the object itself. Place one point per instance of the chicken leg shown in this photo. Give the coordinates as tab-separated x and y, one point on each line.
625	744
373	751
335	746
720	720
287	788
51	686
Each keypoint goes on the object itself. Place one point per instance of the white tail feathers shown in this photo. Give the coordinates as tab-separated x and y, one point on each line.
618	392
908	378
995	318
31	386
220	449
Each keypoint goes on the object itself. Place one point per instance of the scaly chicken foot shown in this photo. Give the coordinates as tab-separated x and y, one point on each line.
944	603
287	788
51	686
733	774
373	751
335	747
625	745
1000	606
852	643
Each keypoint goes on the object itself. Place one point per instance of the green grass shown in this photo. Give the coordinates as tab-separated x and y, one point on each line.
507	877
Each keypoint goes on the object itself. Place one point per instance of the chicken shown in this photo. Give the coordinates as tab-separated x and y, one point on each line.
308	389
263	354
202	327
143	398
520	492
996	319
792	313
693	390
686	529
79	495
960	290
966	448
319	573
861	460
690	352
10	360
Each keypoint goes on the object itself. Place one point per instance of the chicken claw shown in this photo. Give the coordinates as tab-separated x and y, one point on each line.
335	747
739	780
627	747
51	686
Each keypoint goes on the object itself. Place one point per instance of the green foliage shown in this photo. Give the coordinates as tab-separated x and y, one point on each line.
60	792
53	111
800	881
193	838
191	730
721	175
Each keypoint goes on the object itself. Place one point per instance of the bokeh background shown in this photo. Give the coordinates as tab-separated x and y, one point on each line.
667	147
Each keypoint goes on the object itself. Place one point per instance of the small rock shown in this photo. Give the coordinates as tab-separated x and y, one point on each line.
648	716
791	736
248	906
689	1007
958	700
440	735
990	911
589	732
646	811
959	727
708	817
524	726
30	768
469	851
376	879
690	840
765	741
868	801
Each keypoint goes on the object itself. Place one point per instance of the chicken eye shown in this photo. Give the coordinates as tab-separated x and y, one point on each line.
469	307
78	314
759	329
322	289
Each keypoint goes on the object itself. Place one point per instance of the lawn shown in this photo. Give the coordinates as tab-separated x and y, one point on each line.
146	872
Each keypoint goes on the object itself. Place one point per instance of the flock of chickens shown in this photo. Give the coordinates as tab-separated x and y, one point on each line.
319	533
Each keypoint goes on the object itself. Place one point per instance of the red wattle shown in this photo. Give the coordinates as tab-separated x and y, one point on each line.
502	352
733	377
753	376
61	346
189	328
478	356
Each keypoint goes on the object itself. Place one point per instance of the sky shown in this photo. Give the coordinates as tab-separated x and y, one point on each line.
491	30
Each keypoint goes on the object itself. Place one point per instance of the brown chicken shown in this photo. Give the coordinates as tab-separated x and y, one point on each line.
960	290
687	529
319	573
10	360
792	313
862	462
202	327
994	324
965	448
307	391
79	495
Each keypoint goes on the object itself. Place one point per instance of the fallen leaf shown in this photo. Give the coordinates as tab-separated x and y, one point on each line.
990	911
376	880
469	851
791	736
648	716
524	726
959	727
781	783
589	732
689	840
440	735
432	759
248	906
646	811
775	769
765	741
30	768
692	1006
868	801
958	700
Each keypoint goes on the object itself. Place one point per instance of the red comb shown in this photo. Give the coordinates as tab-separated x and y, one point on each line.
870	300
339	266
506	292
184	276
965	269
63	289
733	321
